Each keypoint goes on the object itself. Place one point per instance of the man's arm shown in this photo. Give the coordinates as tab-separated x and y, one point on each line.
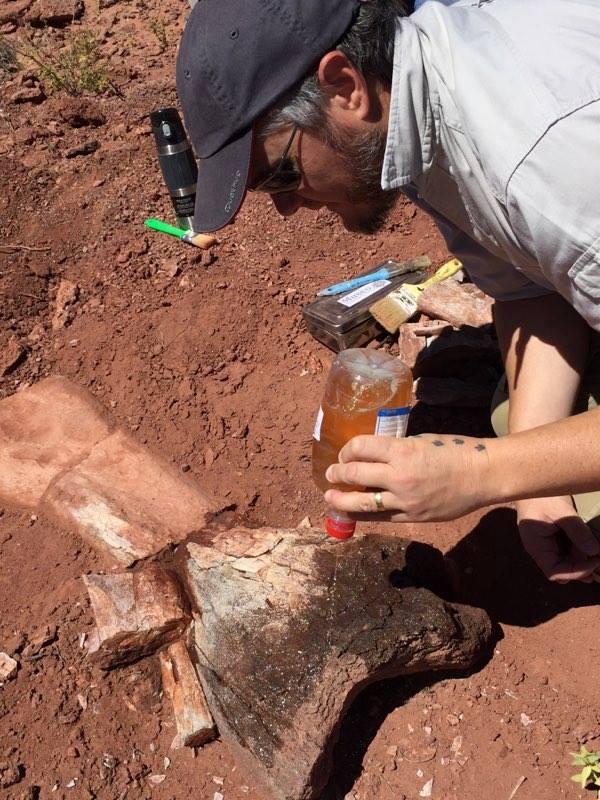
545	346
547	457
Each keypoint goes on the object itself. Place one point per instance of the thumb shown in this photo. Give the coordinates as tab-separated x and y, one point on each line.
580	534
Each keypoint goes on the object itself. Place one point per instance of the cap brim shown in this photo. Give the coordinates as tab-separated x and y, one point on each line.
221	184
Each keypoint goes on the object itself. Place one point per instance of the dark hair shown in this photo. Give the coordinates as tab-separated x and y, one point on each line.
368	44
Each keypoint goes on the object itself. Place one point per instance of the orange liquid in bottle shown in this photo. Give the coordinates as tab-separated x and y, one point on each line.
361	384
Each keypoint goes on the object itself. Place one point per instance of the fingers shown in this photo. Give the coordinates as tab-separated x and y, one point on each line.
361	502
581	535
543	546
574	570
368	448
361	473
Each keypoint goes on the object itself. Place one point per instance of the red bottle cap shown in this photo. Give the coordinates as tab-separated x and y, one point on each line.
340	527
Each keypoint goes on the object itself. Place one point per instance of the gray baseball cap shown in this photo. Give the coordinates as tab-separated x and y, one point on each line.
236	59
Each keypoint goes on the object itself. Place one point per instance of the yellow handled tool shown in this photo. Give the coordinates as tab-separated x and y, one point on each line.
401	303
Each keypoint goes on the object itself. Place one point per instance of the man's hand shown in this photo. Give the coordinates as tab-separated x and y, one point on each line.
558	540
420	478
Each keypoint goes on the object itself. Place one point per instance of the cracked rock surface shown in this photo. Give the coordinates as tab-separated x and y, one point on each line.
292	625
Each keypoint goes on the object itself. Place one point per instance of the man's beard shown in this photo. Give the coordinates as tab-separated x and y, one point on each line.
363	156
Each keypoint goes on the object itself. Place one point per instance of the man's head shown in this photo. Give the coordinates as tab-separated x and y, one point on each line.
309	79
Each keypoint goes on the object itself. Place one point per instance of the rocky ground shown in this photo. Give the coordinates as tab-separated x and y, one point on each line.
204	356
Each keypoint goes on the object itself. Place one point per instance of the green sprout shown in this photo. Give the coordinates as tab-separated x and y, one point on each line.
589	777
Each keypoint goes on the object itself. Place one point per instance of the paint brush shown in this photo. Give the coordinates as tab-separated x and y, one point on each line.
202	240
385	273
401	303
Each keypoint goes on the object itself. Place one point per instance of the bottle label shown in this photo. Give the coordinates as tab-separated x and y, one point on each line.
392	422
318	423
359	294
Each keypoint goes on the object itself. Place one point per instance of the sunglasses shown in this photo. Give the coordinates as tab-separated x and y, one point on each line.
286	177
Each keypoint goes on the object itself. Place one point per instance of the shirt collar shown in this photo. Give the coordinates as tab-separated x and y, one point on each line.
410	140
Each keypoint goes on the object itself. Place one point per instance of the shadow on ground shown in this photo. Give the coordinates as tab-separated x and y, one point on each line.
364	719
493	572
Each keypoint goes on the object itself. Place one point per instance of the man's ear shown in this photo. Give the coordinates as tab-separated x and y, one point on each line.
344	86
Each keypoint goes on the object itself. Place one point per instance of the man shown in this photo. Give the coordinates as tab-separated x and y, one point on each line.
487	114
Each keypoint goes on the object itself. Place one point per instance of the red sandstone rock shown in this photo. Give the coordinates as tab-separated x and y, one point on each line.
56	13
195	725
12	355
44	430
136	613
409	344
66	296
127	501
8	667
456	304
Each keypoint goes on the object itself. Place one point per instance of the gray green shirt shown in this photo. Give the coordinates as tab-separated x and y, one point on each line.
495	129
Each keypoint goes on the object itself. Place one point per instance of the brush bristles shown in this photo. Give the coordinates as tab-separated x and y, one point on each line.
203	240
393	310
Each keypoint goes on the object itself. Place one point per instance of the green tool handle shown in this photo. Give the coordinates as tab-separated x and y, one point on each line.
164	227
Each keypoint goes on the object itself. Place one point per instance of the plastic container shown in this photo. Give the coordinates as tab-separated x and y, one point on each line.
367	392
343	321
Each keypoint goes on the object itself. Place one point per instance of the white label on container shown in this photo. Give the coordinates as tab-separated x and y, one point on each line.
317	428
392	422
359	294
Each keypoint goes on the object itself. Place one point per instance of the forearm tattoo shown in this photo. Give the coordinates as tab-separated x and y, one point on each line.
480	446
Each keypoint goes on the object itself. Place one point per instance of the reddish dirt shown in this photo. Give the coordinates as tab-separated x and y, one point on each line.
206	358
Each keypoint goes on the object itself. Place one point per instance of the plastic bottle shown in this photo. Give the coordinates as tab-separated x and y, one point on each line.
367	392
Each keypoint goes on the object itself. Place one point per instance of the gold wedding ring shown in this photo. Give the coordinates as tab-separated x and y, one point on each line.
378	501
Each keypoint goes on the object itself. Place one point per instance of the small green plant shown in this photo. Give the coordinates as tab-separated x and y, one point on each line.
589	777
78	68
8	60
157	26
75	69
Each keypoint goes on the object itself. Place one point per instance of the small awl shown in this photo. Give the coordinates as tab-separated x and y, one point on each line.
385	273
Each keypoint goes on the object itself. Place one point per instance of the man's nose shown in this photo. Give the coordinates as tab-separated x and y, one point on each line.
286	203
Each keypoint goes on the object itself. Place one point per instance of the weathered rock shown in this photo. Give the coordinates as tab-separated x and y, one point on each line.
12	11
430	327
11	773
8	667
39	640
66	296
13	353
56	13
454	392
44	430
195	725
292	625
83	149
409	345
79	112
28	94
456	304
127	501
136	613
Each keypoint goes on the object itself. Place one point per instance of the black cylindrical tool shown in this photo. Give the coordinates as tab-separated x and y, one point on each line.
177	163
